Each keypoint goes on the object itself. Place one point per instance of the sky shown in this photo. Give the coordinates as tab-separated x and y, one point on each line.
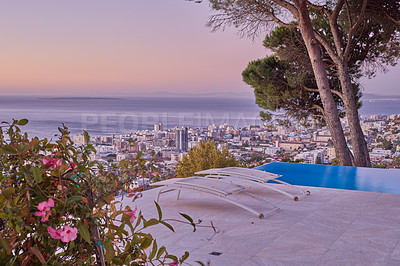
128	47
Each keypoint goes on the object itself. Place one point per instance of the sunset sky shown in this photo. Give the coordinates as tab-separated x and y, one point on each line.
127	47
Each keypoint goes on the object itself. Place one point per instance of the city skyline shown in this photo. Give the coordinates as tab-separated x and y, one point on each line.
130	48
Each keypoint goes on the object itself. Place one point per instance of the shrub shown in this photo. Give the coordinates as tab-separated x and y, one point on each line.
59	207
204	156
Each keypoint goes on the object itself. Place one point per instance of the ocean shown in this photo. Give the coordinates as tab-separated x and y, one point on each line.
106	116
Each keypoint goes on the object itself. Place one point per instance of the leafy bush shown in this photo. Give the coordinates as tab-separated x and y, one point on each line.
204	156
59	207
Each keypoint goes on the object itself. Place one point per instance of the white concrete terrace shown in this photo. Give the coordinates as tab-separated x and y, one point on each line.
330	227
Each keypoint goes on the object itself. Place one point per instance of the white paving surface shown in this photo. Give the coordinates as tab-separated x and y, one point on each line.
330	227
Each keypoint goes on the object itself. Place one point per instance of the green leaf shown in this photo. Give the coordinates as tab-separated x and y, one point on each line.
184	257
139	220
146	243
110	252
8	192
151	222
118	262
159	211
128	259
187	217
22	122
37	174
84	233
4	243
74	199
114	227
153	250
8	149
161	251
86	136
22	147
109	198
38	255
168	225
172	257
201	263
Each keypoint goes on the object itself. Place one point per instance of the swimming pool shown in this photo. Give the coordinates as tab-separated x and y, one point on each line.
341	177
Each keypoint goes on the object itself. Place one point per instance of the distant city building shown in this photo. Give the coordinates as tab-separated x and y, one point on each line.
244	143
378	117
322	136
289	146
176	157
330	153
79	139
158	127
382	151
181	137
192	144
271	150
312	157
140	182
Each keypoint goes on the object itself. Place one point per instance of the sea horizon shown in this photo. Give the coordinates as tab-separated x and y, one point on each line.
104	115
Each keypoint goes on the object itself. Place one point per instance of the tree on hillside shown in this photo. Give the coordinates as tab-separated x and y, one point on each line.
277	89
351	25
204	156
285	82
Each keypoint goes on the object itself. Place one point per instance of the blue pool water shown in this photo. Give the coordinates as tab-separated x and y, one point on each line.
341	177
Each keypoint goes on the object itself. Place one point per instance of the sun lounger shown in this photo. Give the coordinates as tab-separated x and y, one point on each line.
253	175
217	187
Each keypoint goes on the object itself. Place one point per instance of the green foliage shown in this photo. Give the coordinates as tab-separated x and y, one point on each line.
396	161
279	90
375	39
34	172
381	165
385	144
284	84
288	160
204	156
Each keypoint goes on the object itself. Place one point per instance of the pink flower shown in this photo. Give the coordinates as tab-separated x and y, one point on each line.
48	161
58	163
174	263
132	214
44	209
68	234
51	162
55	234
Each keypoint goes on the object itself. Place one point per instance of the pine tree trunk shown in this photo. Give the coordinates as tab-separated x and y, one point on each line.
330	110
360	149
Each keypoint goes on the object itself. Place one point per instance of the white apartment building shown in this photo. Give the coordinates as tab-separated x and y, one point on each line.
382	151
271	150
312	157
289	146
141	182
176	157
